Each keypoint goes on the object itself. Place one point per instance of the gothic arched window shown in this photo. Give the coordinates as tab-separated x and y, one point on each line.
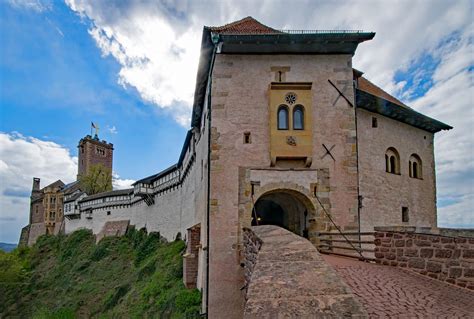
414	165
298	117
282	117
392	161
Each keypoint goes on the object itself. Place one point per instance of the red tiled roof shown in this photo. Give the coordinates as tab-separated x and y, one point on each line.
247	25
365	85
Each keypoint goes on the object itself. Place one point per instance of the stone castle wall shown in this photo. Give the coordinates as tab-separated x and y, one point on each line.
384	194
37	212
35	231
441	254
240	103
165	215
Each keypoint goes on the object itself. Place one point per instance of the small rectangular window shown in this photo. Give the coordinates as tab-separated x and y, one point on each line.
405	214
374	122
108	213
247	139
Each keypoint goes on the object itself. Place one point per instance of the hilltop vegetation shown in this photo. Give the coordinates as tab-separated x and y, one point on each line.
135	276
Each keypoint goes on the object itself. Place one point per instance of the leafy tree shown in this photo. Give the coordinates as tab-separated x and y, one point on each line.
97	180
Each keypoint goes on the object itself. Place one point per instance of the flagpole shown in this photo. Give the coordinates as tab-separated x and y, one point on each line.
91	129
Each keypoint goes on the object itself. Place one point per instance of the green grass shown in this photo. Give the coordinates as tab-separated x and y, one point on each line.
134	276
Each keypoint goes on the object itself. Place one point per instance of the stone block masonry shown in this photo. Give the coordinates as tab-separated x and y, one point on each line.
286	277
113	228
443	254
190	264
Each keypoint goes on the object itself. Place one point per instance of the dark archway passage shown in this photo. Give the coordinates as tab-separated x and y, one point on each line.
270	213
281	209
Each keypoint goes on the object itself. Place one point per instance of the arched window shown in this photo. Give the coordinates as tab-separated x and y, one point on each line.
392	161
298	118
282	117
414	165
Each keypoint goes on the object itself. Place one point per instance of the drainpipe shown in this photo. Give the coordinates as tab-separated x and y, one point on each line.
359	197
215	41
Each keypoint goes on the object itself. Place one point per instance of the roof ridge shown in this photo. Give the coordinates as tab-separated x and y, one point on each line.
253	27
230	24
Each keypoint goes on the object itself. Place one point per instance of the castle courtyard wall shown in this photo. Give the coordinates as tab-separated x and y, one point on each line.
384	194
164	216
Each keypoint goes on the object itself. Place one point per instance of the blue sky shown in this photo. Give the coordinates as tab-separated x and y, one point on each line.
130	66
55	82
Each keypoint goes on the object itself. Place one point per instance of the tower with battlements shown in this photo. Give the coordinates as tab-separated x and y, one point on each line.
93	151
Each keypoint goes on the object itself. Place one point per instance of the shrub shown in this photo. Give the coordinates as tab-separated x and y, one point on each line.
147	247
188	302
114	296
61	313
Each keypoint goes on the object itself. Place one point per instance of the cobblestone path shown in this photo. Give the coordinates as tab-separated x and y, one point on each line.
390	292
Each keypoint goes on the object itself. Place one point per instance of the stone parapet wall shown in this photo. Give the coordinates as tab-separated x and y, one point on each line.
252	245
286	277
443	254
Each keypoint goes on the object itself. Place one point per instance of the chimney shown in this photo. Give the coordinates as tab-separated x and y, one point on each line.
36	184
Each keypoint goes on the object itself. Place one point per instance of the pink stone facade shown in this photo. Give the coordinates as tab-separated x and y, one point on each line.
384	194
240	90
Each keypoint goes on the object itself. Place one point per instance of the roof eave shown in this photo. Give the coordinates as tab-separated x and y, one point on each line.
283	43
152	178
202	76
394	111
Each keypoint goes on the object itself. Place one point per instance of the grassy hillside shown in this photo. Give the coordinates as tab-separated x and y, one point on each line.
135	276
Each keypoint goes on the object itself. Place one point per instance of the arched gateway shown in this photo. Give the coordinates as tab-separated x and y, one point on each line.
289	209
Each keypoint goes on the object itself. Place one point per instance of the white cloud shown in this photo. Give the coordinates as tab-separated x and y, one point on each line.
119	183
112	130
157	43
21	159
35	5
153	55
458	215
451	99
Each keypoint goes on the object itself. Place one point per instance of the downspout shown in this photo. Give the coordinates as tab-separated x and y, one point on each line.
359	198
215	41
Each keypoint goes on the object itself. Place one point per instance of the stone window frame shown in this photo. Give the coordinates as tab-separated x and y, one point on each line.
392	161
296	108
415	167
283	107
100	151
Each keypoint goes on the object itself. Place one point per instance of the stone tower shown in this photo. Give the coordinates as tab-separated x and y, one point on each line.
93	151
